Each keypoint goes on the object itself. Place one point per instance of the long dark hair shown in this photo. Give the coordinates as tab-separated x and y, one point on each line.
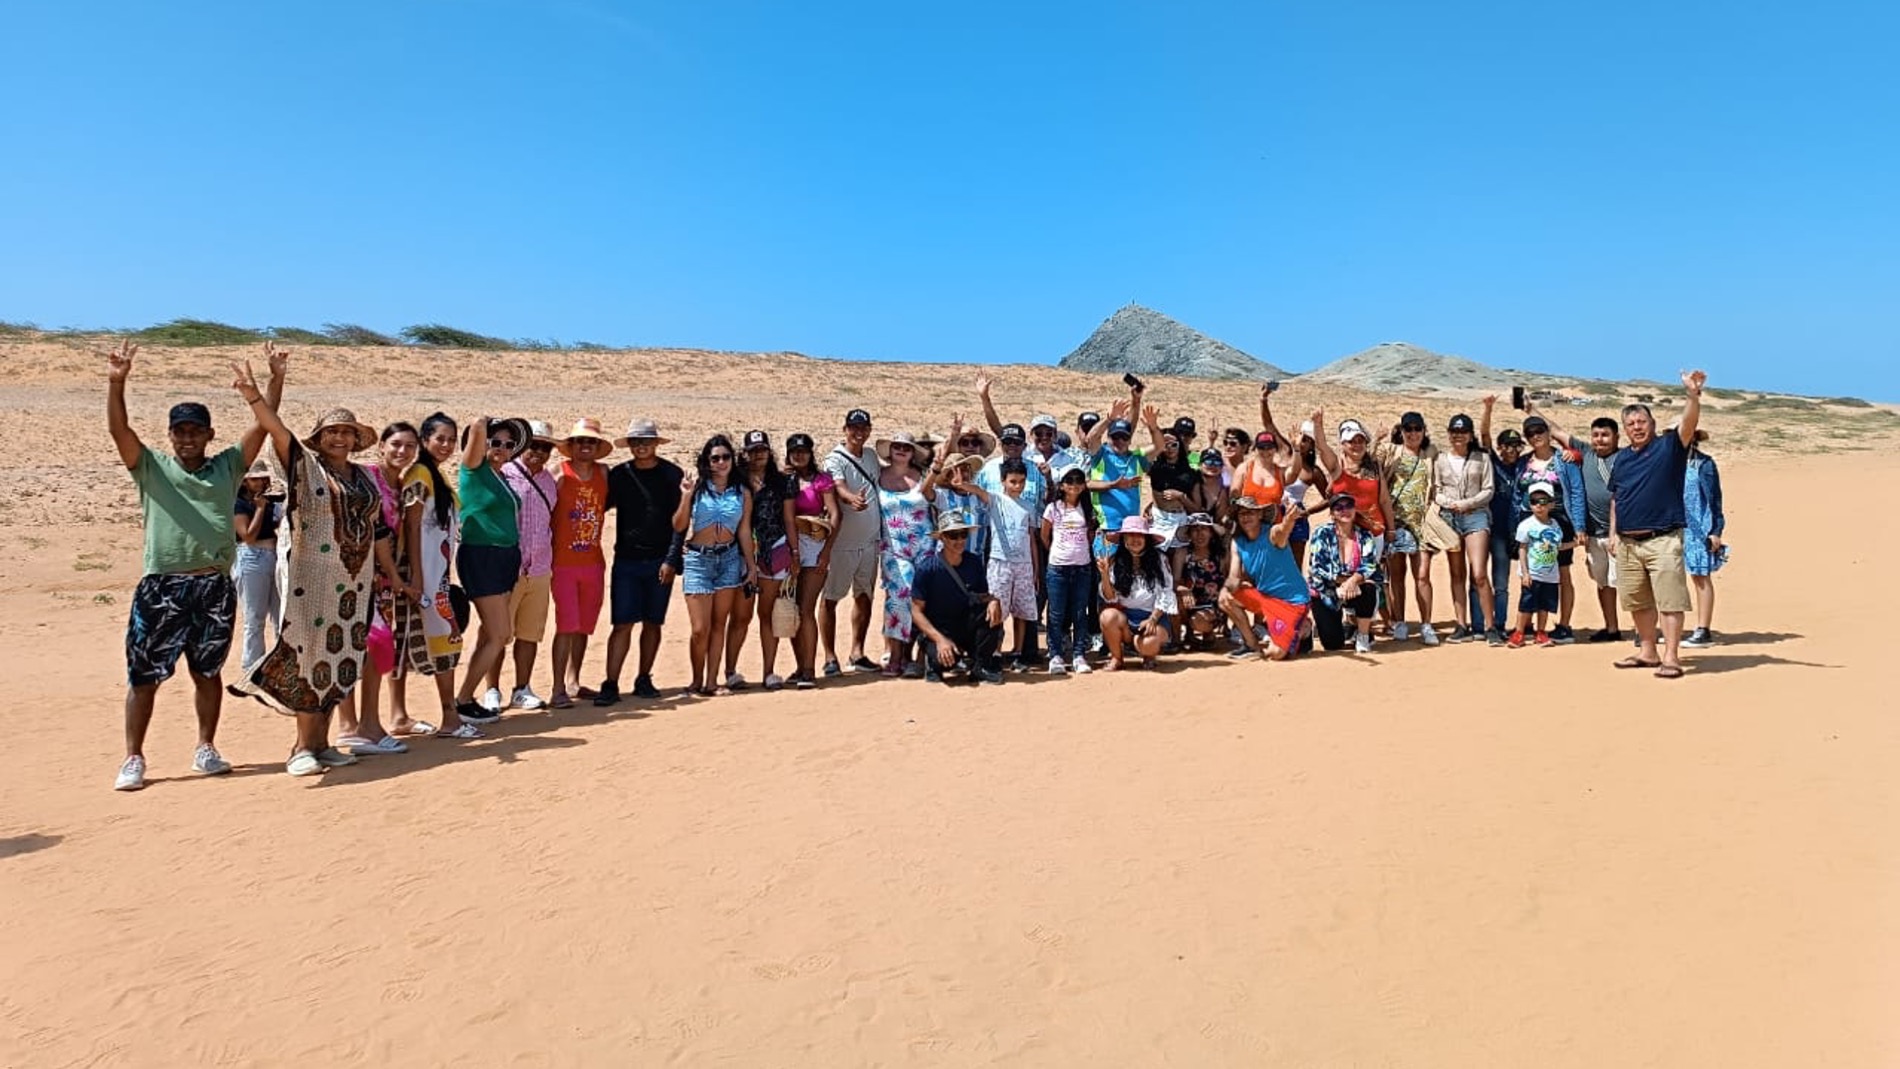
444	507
810	470
1123	565
705	465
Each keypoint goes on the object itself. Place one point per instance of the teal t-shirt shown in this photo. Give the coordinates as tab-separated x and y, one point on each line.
488	509
188	513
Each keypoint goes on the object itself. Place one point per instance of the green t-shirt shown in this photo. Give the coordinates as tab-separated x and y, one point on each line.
188	513
488	509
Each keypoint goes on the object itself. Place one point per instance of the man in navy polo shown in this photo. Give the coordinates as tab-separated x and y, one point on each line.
1646	522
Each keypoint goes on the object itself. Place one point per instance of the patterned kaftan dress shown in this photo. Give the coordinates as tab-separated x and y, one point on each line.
906	541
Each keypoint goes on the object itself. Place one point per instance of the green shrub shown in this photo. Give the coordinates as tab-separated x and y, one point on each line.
7	328
298	336
351	334
1725	394
1848	402
196	332
1777	404
438	336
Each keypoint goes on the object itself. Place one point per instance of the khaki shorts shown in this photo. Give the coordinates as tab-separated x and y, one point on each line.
1650	574
853	571
1602	565
528	605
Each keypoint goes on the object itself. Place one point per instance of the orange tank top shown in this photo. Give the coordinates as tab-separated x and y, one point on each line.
1365	494
1267	490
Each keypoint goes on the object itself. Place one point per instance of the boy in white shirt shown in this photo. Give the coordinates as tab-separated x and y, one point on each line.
1012	563
1539	540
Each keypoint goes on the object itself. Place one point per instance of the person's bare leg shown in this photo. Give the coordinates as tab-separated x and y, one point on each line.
207	699
1672	639
828	627
1645	621
1704	600
491	644
445	699
738	625
1395	589
313	732
1478	557
805	643
525	653
718	629
1422	586
399	699
619	641
1606	601
1114	634
860	623
370	726
1566	597
768	639
699	611
1460	594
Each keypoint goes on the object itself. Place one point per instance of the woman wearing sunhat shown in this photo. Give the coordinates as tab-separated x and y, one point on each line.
489	560
814	518
1703	551
1264	582
579	583
1200	570
1137	594
337	543
904	497
255	517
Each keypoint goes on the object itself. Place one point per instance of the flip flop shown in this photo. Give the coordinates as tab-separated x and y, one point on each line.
1669	671
1637	662
561	701
466	731
586	694
417	728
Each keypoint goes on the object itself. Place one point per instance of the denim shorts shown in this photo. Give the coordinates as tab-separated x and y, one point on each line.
1466	523
1404	541
712	569
638	595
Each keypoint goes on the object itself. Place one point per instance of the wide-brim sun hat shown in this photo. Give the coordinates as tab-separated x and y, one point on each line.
987	439
883	445
1198	519
588	430
962	460
342	417
515	426
539	431
926	440
1132	525
1246	503
261	469
816	526
954	520
642	429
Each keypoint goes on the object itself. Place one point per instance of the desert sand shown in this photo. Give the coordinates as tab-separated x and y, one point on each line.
1450	857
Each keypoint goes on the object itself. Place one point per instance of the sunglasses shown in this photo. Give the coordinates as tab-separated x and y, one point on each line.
501	443
1538	433
899	447
956	536
540	447
1345	508
970	439
1266	445
1043	432
1411	430
720	458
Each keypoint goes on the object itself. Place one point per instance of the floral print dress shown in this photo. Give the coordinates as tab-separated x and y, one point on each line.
906	542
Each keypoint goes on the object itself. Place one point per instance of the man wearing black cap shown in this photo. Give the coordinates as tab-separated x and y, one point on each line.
852	465
185	604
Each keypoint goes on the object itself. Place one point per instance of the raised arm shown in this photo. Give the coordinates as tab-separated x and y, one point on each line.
475	450
245	384
1266	413
1282	532
1323	446
1692	383
118	369
989	409
1151	418
1484	421
279	361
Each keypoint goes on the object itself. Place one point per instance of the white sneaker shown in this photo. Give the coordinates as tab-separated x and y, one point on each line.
303	763
1362	643
526	698
1427	635
491	701
1080	666
1057	666
1400	632
208	761
131	775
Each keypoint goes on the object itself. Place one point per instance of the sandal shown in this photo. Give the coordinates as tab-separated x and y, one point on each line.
1634	661
464	731
561	701
417	728
1112	666
1669	671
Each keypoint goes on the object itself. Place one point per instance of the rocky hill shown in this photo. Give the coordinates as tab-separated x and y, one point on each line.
1146	342
1399	367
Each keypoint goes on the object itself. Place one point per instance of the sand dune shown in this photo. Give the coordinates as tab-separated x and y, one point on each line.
1449	857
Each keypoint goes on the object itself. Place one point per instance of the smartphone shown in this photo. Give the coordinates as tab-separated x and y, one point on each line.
1517	398
1133	382
1273	385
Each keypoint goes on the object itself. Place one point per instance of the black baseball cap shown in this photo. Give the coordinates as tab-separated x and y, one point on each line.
1013	432
1460	423
1120	428
756	440
1507	436
1184	428
857	417
1536	425
190	412
1212	459
1088	420
1341	501
1411	421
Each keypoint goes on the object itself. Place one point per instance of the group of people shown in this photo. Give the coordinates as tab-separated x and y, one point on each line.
995	547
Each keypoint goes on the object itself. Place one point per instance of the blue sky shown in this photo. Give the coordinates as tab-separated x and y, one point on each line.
1621	188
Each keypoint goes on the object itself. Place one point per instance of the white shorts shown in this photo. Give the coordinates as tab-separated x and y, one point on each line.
853	571
1602	565
808	550
1014	584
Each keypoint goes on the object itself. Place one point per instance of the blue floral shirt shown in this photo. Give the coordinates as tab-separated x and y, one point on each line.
1327	566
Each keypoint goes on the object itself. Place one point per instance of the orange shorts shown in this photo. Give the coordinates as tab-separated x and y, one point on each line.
1282	618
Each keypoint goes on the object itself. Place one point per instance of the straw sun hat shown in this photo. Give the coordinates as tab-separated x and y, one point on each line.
342	417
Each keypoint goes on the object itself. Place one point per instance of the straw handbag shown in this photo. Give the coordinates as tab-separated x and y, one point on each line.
785	610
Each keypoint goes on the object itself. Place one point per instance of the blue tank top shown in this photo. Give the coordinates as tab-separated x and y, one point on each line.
718	508
1271	568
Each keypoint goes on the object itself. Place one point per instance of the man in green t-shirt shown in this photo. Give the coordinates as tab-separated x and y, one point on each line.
185	603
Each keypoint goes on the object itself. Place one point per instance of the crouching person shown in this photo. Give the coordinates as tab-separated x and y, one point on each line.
951	607
1264	581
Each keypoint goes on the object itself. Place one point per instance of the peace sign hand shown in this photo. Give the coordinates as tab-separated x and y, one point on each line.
687	483
119	361
244	382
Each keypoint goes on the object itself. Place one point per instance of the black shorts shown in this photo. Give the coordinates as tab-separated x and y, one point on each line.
179	614
638	595
486	571
1539	597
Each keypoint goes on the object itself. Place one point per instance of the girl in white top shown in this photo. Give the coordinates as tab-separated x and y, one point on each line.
1138	595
